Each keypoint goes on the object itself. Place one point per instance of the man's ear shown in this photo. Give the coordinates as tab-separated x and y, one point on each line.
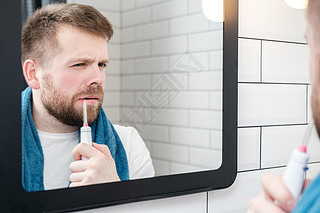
30	74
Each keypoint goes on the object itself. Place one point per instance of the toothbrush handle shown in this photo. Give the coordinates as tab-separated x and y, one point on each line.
295	171
85	136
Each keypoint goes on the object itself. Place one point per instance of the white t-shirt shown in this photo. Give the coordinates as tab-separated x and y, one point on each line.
57	149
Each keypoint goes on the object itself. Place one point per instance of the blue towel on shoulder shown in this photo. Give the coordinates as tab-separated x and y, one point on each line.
310	200
102	131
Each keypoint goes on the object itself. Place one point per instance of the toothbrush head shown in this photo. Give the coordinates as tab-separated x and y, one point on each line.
85	120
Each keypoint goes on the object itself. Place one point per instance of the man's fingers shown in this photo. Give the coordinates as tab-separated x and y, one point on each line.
276	190
261	205
75	184
83	149
76	177
104	149
78	166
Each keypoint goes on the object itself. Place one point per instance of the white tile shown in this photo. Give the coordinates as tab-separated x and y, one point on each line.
216	139
216	100
111	99
278	143
236	198
112	83
112	113
127	5
285	62
135	50
206	119
152	65
196	23
113	67
271	104
135	116
149	147
161	167
216	60
179	168
187	204
153	98
170	152
169	10
135	82
115	39
191	100
101	4
135	17
189	62
128	34
195	6
113	17
152	31
285	23
313	170
127	98
144	3
155	133
206	41
170	117
249	60
173	83
206	81
114	51
171	45
215	25
248	148
205	157
309	110
190	136
127	66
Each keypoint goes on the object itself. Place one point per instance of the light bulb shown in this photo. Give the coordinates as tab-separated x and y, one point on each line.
213	10
297	4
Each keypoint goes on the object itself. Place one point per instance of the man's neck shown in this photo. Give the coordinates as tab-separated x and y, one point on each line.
46	122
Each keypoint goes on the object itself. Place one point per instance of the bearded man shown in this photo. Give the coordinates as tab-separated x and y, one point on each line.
64	57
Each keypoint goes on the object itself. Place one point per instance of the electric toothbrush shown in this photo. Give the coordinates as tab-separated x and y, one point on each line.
85	130
295	172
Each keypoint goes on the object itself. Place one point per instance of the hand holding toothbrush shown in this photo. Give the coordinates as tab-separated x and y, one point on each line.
93	162
282	194
99	167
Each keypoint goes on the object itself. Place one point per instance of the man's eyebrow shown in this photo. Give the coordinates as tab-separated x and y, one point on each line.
105	61
88	60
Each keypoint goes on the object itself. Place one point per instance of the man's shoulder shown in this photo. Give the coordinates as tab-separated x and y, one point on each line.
123	130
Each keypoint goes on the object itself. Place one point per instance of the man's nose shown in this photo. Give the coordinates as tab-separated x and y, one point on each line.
96	76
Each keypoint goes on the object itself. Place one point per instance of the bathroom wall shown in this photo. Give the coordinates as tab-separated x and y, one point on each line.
274	108
171	82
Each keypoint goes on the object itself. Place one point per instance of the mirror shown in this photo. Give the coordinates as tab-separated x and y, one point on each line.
165	79
180	111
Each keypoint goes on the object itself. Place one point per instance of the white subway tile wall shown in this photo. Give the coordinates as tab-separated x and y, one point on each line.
274	93
177	95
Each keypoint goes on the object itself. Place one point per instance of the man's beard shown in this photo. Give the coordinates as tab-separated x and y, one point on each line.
62	107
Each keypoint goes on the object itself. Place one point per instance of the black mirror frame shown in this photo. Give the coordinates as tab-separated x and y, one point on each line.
13	198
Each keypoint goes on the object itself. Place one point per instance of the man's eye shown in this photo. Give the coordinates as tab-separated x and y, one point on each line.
78	65
102	65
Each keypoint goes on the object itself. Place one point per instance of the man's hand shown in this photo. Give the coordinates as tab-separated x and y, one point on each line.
99	168
275	197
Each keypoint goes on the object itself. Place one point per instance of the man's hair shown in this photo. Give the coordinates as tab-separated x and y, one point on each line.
313	13
39	41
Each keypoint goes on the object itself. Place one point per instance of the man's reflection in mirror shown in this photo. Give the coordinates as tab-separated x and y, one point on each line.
64	58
